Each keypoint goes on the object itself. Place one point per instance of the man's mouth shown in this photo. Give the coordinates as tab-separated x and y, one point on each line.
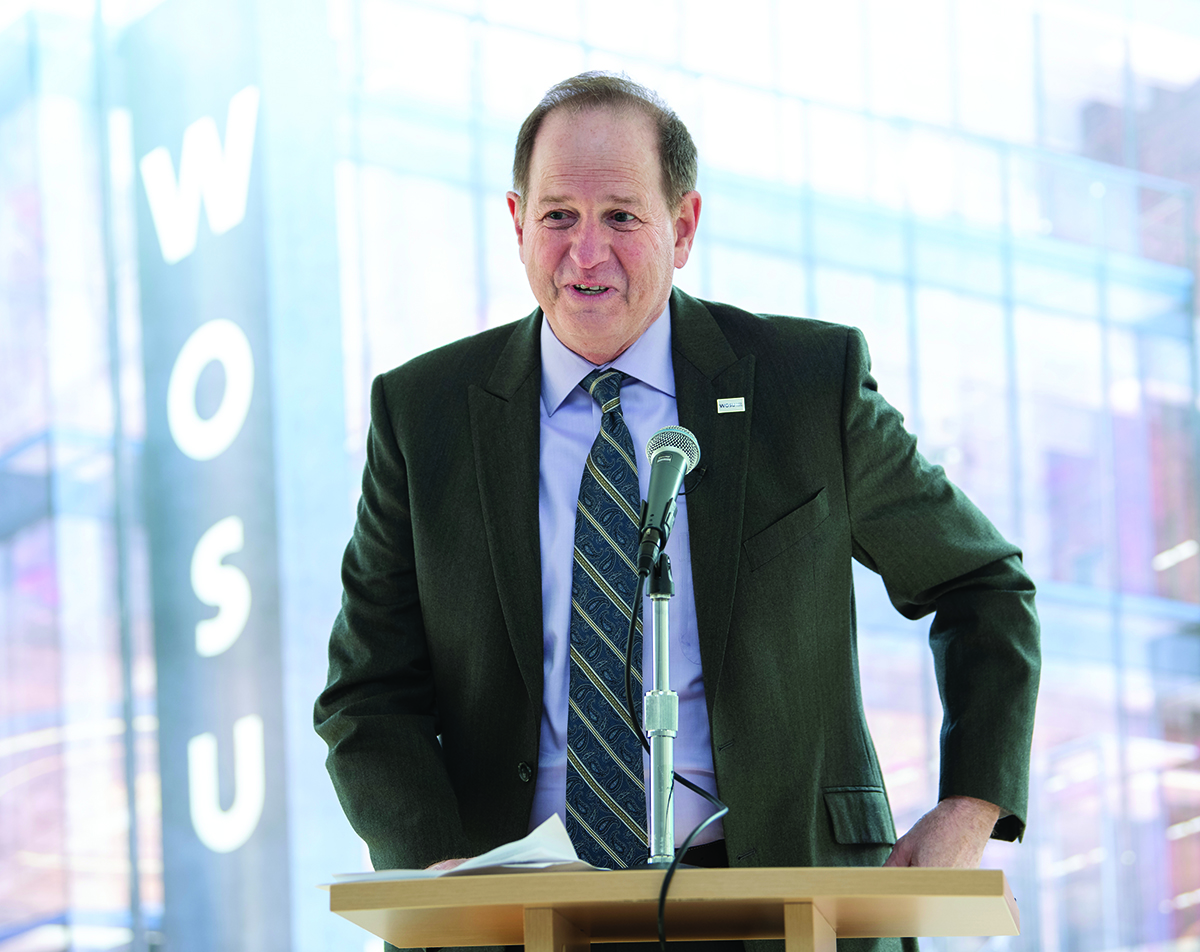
590	288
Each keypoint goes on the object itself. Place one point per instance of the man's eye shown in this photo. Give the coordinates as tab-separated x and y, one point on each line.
623	217
556	216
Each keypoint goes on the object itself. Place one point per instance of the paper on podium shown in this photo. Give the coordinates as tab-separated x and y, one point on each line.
546	848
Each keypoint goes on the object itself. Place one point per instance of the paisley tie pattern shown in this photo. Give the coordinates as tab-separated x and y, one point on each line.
606	800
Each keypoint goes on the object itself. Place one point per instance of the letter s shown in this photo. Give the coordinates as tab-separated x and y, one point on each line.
223	586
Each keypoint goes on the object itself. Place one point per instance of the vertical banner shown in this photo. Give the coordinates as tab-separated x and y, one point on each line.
192	75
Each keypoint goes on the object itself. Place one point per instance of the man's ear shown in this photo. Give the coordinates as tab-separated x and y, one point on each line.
514	209
686	221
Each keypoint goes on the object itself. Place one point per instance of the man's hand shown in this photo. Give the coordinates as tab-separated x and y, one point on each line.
953	833
447	864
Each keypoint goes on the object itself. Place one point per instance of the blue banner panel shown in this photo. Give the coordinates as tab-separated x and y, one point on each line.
194	92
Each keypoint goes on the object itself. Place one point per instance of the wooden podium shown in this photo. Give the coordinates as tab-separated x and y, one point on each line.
550	912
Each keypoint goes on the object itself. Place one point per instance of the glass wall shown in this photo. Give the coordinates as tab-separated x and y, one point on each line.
1000	196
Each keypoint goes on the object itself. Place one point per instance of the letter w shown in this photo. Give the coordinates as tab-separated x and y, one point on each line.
220	176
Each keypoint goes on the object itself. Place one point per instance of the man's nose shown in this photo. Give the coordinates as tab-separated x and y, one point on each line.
589	245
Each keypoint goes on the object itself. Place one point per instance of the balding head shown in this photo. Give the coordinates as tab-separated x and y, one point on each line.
609	91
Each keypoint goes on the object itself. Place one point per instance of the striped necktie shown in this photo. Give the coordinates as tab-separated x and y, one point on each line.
606	800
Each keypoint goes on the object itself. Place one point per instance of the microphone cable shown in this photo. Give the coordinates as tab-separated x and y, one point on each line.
720	809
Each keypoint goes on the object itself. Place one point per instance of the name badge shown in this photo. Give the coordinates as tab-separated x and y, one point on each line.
731	405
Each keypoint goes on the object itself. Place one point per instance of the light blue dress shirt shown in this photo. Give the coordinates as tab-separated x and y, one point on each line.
570	420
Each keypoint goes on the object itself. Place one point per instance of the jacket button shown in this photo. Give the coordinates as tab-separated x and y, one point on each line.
524	772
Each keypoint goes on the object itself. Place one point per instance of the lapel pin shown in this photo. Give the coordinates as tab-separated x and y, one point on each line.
731	405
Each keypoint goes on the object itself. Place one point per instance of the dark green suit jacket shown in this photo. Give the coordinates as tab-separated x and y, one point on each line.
440	631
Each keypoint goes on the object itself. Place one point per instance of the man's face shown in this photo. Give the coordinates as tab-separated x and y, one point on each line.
598	241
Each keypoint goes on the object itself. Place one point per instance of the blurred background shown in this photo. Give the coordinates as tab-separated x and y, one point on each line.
220	219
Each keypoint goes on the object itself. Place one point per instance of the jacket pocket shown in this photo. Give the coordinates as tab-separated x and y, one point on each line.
860	815
786	532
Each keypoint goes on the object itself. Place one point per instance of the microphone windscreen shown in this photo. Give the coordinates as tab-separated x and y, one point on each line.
676	438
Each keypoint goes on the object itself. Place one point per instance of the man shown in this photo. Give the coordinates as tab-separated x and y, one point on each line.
446	709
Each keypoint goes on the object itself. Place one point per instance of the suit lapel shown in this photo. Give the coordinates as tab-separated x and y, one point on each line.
707	369
505	438
505	435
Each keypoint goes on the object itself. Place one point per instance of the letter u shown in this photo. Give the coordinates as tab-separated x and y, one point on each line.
223	831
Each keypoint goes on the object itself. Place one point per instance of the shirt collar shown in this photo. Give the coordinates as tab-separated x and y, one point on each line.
647	359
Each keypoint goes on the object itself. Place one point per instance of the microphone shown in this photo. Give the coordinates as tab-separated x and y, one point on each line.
673	453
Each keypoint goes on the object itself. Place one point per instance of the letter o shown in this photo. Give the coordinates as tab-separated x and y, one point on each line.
224	341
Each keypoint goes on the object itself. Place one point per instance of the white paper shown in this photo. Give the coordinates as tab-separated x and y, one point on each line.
548	847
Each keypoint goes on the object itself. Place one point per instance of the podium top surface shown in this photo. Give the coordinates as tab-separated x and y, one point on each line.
702	903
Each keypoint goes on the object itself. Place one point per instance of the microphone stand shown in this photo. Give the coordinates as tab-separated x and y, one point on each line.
661	721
